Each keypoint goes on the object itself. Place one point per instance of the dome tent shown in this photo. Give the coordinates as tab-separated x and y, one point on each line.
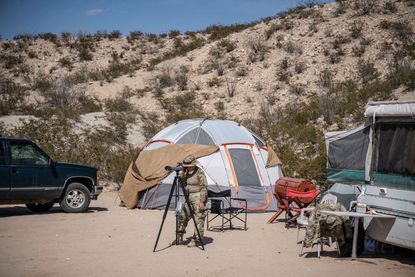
243	163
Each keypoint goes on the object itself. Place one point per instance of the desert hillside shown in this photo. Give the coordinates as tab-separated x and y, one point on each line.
96	98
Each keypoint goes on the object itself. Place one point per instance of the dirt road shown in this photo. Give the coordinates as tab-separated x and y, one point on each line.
113	241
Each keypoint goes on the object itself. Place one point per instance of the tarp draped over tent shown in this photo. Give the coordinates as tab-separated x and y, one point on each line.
149	168
240	160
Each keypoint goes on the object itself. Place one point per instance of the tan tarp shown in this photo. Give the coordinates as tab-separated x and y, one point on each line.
273	159
148	168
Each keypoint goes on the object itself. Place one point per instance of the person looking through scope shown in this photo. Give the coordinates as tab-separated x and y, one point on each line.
195	183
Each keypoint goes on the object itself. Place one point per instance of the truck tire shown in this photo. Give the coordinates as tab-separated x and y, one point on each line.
40	207
76	199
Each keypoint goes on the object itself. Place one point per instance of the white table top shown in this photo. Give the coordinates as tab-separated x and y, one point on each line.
354	214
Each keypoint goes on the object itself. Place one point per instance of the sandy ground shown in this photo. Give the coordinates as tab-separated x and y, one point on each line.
113	241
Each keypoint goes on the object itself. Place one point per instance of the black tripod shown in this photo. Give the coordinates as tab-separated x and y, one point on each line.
175	188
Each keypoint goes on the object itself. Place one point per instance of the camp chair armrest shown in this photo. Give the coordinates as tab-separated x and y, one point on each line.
239	199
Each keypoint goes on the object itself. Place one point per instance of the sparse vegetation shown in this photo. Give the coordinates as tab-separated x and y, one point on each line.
12	97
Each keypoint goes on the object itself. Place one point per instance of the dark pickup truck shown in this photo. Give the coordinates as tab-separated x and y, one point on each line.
29	176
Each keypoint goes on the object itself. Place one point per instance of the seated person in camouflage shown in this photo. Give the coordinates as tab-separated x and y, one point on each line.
195	184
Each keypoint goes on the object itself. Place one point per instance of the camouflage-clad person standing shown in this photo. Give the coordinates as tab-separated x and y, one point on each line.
195	184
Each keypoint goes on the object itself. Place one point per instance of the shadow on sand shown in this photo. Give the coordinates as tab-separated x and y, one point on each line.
10	211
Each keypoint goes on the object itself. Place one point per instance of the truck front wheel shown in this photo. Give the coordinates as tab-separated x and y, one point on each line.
76	199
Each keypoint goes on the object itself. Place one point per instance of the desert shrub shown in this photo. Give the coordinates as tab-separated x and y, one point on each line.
115	34
297	89
367	71
241	71
356	29
257	50
134	35
183	106
328	107
66	62
365	7
62	94
341	7
226	45
42	83
174	33
293	48
181	78
164	78
32	54
85	55
118	104
282	73
231	86
117	69
25	37
88	104
219	106
119	122
300	67
49	37
312	27
180	50
214	82
11	61
359	50
12	96
271	98
100	34
401	30
7	45
217	32
389	7
66	37
284	24
326	80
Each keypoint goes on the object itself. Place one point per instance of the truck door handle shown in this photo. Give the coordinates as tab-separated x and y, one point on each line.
15	171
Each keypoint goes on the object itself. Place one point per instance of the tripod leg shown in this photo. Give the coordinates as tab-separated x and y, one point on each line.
186	196
165	213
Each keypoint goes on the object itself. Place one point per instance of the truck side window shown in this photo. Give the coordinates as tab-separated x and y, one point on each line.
2	157
23	153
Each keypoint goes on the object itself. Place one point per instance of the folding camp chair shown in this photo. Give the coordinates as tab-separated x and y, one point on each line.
226	212
295	201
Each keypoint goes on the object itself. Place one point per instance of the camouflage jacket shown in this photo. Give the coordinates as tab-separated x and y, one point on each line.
196	182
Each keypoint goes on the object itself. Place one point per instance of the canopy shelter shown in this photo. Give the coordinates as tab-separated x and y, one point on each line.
231	156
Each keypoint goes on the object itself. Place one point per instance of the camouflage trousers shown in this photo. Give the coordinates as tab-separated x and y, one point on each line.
321	225
185	216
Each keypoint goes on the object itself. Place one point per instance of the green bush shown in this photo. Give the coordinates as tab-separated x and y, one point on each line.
56	136
367	71
118	104
66	62
13	97
115	34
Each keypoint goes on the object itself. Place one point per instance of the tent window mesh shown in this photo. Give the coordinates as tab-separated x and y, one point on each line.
396	149
204	138
244	167
349	152
188	138
258	141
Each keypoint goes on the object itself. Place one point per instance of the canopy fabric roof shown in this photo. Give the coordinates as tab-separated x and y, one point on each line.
390	109
148	168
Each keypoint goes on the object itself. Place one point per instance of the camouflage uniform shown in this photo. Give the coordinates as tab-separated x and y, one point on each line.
196	187
325	226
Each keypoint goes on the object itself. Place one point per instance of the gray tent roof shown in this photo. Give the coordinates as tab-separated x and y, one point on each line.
390	109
